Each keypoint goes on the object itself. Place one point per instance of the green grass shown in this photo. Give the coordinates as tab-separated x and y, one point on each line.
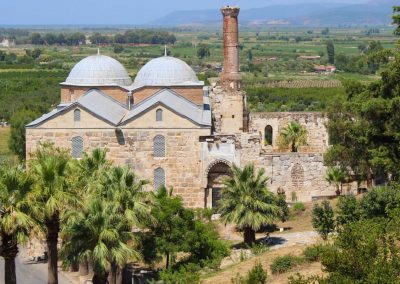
4	135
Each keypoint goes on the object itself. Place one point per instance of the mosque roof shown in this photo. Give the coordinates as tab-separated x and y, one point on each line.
112	111
98	70
176	103
166	71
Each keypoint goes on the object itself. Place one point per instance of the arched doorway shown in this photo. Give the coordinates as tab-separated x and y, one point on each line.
216	173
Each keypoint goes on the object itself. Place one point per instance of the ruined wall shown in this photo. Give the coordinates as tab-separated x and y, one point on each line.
302	173
314	122
134	147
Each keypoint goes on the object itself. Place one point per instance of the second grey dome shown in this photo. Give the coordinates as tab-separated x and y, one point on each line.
166	71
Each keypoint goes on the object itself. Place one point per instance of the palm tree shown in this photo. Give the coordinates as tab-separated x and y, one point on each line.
337	176
117	204
122	187
293	136
247	202
101	234
53	196
86	175
15	215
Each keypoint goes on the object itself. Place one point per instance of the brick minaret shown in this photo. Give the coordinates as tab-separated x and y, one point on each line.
228	101
231	77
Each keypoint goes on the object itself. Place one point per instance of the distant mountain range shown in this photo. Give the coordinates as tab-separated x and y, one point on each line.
308	14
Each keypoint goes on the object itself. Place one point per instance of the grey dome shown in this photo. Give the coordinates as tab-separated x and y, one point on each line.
98	70
166	71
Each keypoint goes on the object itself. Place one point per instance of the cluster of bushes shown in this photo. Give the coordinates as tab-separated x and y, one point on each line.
27	60
257	275
365	249
72	39
285	263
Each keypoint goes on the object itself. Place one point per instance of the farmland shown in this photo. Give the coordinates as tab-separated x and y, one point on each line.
271	61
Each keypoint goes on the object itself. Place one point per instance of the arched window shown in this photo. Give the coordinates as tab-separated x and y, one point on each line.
77	115
159	114
77	147
159	146
159	178
268	135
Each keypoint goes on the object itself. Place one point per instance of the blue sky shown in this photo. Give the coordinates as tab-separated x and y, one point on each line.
114	12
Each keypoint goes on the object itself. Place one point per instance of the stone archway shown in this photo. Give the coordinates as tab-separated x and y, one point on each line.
216	173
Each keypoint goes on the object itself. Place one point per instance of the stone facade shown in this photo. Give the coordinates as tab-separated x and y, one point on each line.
133	146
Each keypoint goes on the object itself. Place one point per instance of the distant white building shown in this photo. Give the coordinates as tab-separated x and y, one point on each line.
7	42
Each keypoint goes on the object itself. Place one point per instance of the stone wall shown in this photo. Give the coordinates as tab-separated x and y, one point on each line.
134	147
314	122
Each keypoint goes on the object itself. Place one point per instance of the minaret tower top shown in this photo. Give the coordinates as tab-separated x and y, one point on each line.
231	77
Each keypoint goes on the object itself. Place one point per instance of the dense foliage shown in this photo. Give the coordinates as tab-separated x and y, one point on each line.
366	247
293	99
17	138
364	129
34	90
174	230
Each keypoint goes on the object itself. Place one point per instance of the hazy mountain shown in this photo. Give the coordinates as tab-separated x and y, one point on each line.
377	12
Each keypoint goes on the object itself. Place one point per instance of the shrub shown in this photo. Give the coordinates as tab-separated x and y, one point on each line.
322	219
299	207
347	210
285	263
257	275
314	253
379	201
300	279
185	275
281	202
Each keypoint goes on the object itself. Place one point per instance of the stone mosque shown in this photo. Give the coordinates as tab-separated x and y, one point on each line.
173	130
